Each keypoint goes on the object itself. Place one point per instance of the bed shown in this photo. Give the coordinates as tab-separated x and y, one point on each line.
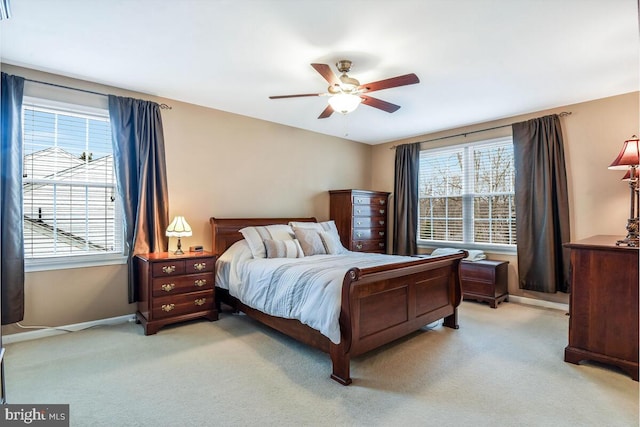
377	304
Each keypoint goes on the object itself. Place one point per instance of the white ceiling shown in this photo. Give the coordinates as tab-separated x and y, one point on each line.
477	60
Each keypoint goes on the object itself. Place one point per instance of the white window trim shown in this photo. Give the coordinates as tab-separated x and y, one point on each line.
487	247
75	261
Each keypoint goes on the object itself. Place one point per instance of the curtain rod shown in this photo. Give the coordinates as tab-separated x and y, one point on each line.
393	147
162	106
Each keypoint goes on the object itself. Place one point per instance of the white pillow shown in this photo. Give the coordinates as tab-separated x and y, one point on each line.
332	243
311	225
283	248
310	241
319	226
256	236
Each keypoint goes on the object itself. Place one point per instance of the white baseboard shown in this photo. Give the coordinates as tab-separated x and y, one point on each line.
58	330
539	303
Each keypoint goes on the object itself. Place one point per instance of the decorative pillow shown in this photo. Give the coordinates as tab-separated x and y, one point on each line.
319	226
256	236
310	241
332	243
303	224
283	248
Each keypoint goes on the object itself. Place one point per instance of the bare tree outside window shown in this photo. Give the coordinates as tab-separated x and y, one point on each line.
466	194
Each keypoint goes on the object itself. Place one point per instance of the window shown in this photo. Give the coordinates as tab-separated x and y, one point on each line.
466	196
69	188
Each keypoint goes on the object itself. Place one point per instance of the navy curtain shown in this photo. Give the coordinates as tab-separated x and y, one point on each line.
542	205
141	176
12	242
405	223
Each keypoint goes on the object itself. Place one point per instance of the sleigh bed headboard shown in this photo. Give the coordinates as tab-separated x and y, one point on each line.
226	231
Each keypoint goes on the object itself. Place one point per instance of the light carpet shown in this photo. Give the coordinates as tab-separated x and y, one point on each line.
502	367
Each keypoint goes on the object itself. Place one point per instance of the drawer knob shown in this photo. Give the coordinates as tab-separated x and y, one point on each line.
168	287
358	211
381	222
168	307
382	202
200	266
359	234
200	282
200	301
381	233
382	211
359	223
381	245
359	246
168	269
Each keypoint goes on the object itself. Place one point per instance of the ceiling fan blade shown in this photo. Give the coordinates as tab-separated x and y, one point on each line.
379	104
407	79
326	113
325	71
296	96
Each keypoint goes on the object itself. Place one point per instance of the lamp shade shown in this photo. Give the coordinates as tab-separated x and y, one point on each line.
629	155
344	103
178	228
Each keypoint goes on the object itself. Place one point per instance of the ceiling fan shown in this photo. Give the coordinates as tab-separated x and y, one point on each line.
346	93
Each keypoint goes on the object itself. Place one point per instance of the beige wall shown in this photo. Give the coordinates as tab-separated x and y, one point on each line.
222	164
218	164
593	136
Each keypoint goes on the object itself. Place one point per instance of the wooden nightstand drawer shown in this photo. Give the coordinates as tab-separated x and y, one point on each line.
478	287
169	268
181	284
200	265
182	304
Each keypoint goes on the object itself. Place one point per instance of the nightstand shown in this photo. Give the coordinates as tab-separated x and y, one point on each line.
484	281
174	288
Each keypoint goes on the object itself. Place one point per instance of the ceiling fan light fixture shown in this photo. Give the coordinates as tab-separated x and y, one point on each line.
344	103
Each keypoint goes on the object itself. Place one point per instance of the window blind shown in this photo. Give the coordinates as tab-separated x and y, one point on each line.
69	189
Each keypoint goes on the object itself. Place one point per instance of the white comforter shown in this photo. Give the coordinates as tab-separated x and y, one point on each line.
307	289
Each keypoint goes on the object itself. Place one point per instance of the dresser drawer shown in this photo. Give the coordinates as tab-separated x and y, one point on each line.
164	286
368	234
369	245
168	268
179	304
379	201
369	222
370	211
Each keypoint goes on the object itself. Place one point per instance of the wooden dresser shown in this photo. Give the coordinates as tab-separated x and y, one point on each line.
603	326
361	218
484	280
174	288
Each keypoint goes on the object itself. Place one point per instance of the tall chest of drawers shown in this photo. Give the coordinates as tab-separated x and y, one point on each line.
361	218
174	288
